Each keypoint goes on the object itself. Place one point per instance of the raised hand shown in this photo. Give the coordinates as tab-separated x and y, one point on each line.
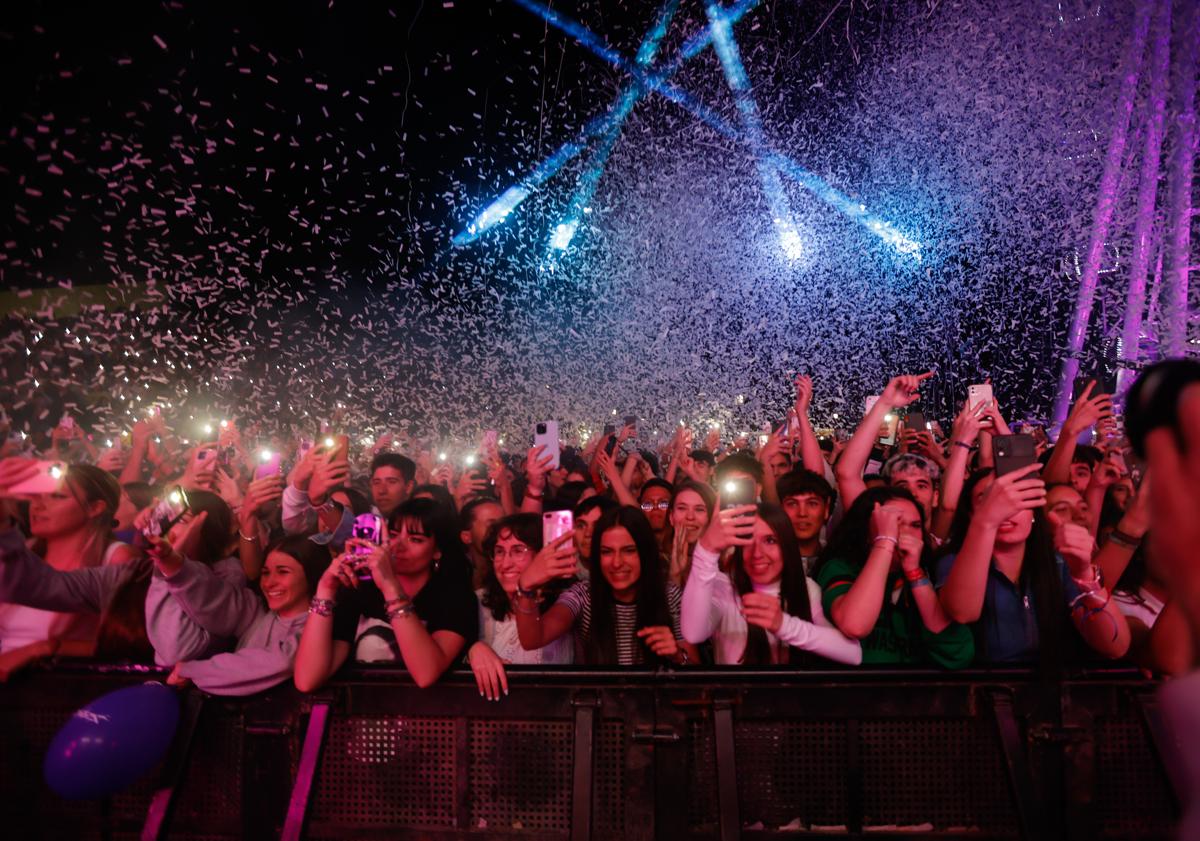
1012	493
903	390
556	560
1088	410
729	527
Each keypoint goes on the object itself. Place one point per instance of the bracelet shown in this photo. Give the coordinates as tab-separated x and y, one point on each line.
253	539
531	608
684	659
532	495
1094	584
527	594
887	537
1124	539
914	574
321	607
966	447
396	602
405	609
923	581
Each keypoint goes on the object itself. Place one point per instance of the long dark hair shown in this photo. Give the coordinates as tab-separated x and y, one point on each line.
651	600
122	632
526	528
440	524
217	529
851	540
793	588
313	557
1039	575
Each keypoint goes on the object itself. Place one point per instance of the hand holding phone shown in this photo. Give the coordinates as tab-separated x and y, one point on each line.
20	477
368	532
1014	452
979	399
545	434
555	524
736	491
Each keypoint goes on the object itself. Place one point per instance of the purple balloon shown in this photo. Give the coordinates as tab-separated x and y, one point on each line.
107	745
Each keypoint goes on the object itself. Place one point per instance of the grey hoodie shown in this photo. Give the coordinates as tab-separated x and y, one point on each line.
26	579
267	643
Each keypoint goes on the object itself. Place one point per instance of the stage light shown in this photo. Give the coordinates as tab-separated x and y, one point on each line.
769	158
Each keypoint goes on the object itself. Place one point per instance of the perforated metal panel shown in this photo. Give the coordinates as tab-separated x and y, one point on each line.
939	771
609	789
702	775
388	771
1131	799
520	774
209	801
791	772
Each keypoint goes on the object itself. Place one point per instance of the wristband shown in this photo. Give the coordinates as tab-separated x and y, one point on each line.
321	607
1095	584
914	574
253	539
526	594
532	495
923	581
888	538
399	601
405	609
965	446
1124	539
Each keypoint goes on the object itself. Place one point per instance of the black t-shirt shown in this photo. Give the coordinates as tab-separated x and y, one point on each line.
445	603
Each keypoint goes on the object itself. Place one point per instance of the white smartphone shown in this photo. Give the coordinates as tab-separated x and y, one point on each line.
545	434
489	445
555	524
978	395
47	480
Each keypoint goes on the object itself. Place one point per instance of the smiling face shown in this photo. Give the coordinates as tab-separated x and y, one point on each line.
808	513
509	559
1012	531
689	513
284	584
763	559
620	562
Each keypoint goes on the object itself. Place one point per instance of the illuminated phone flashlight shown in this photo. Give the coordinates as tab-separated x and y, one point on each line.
888	418
470	460
730	486
175	497
264	456
108	443
224	424
55	472
441	456
208	428
328	442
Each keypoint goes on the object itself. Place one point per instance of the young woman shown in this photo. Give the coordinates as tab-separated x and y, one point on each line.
71	529
768	612
267	628
419	598
510	546
133	606
876	589
691	509
1018	581
624	614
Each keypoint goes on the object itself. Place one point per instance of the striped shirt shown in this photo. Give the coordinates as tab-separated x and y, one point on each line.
631	650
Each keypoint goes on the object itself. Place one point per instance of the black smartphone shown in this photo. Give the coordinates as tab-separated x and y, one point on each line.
916	422
1013	452
631	420
1080	384
609	429
736	491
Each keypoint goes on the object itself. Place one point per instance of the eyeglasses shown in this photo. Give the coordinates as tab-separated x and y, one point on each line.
517	552
661	506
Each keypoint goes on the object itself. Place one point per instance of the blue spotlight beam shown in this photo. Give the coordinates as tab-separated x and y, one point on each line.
735	75
585	190
498	210
660	84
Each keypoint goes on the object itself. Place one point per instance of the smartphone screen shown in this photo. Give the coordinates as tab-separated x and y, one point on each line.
916	422
1014	452
368	527
555	524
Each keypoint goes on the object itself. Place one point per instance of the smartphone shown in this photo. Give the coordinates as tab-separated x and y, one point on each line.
339	447
490	444
1013	452
1080	384
889	428
916	422
555	524
47	480
269	464
631	420
611	446
167	512
736	491
609	429
367	527
545	434
980	394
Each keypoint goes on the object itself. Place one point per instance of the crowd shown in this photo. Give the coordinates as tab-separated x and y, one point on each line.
243	564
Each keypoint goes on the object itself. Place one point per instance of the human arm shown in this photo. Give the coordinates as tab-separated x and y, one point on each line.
810	447
536	629
900	392
962	593
856	611
1114	556
616	479
1093	612
1088	409
701	608
537	465
246	671
26	579
963	435
817	636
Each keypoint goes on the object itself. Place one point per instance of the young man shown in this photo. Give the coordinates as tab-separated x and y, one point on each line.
808	500
918	475
392	477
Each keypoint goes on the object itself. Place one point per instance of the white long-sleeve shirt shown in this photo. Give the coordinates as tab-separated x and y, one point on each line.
713	609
